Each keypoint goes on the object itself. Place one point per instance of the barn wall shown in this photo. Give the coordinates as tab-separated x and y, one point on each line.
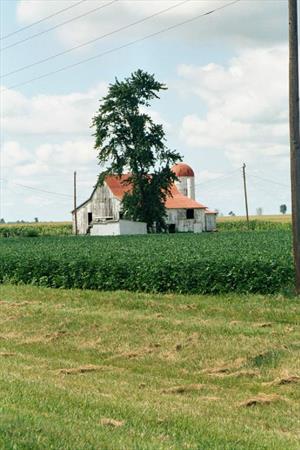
101	205
178	217
104	204
210	222
82	218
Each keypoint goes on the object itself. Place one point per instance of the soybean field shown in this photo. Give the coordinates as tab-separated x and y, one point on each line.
242	262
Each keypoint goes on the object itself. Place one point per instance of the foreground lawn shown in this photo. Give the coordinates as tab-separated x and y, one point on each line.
92	370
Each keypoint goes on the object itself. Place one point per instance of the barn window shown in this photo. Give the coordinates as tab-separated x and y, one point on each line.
90	218
190	214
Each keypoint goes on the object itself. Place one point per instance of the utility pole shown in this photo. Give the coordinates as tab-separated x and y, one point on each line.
294	134
75	203
245	193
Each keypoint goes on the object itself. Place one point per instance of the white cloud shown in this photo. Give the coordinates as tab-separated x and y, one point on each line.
244	22
48	159
50	114
13	154
246	102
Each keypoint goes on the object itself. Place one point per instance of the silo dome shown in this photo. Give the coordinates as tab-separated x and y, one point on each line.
183	170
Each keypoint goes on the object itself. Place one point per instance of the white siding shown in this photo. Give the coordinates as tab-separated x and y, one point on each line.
102	204
121	227
210	222
178	217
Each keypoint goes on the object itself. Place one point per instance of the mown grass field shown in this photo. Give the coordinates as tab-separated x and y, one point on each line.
99	370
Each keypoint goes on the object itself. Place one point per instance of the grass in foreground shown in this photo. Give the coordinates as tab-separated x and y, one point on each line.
92	370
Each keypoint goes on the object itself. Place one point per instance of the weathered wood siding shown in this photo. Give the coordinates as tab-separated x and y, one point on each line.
178	217
102	204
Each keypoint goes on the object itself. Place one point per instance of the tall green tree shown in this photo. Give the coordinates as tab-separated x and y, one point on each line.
128	141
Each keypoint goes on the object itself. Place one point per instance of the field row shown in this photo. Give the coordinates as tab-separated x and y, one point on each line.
65	228
184	263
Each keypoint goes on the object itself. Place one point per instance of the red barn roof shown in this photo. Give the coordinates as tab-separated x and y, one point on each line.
119	187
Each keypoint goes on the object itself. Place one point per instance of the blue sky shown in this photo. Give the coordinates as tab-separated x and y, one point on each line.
226	103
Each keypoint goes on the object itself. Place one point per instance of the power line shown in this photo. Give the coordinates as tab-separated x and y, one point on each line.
268	180
129	44
59	25
37	189
69	50
229	174
42	20
279	195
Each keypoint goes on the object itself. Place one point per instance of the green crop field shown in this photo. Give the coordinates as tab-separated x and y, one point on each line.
238	224
87	370
255	261
275	218
36	229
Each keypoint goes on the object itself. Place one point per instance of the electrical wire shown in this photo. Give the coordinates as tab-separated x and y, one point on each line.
229	174
42	20
267	180
59	25
84	44
37	189
129	44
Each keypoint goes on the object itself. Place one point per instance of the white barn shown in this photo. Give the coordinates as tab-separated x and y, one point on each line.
101	214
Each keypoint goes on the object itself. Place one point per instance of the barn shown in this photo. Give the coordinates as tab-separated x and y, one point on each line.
101	214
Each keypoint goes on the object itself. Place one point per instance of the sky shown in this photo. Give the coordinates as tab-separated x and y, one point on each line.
226	103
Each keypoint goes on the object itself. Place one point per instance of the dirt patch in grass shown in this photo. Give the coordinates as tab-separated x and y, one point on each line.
112	422
237	374
286	379
130	355
261	399
263	325
25	303
56	335
184	389
7	354
82	369
187	307
225	368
